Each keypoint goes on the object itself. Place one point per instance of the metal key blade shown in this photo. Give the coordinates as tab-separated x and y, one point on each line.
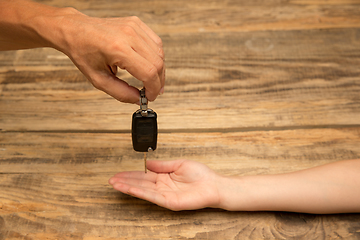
145	162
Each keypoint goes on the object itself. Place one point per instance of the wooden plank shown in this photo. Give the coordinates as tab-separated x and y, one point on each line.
54	185
252	88
230	16
271	151
246	80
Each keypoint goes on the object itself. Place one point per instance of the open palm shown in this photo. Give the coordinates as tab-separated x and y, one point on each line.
177	185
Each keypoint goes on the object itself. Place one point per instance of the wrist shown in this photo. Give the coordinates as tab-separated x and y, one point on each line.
26	24
55	28
236	194
228	188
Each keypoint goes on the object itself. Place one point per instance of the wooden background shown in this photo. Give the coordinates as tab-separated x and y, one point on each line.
253	87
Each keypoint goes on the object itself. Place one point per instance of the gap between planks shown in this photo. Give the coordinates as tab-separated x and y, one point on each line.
195	130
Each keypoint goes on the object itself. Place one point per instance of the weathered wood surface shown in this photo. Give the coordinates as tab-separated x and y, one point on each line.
292	78
253	87
54	185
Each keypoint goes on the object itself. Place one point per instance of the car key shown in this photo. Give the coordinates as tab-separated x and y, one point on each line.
144	128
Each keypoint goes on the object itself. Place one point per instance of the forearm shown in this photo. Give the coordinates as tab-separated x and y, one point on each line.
330	188
26	24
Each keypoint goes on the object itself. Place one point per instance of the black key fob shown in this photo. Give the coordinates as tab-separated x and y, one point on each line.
144	131
144	127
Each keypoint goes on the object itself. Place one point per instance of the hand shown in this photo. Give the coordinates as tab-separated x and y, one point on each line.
176	185
97	46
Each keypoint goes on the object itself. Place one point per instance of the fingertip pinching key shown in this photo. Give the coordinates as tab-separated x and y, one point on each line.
144	129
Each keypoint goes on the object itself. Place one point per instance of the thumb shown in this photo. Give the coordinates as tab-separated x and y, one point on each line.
116	88
163	166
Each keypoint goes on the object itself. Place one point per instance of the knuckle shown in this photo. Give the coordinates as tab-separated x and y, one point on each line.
159	65
70	10
129	30
159	42
98	83
135	19
161	53
152	73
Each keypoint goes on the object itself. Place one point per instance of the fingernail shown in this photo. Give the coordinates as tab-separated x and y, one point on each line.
162	91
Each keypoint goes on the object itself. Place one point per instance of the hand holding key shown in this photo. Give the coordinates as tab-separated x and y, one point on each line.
97	46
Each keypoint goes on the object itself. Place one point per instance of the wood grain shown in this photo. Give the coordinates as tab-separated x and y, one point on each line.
54	185
253	87
292	78
269	151
231	16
